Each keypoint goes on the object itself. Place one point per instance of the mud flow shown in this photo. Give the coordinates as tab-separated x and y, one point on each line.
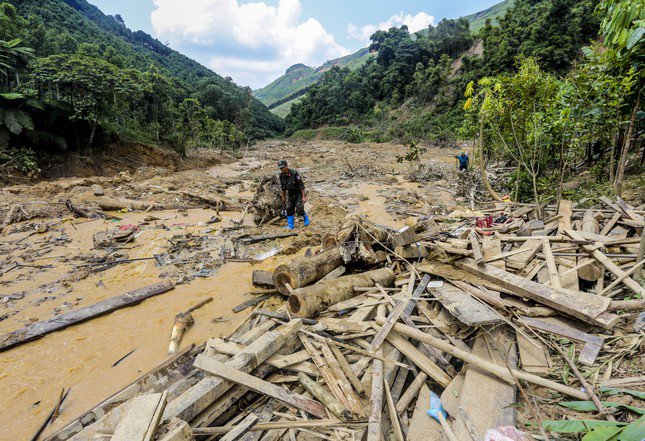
53	262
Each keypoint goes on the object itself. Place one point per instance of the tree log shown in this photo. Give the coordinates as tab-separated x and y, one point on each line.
308	302
39	329
305	271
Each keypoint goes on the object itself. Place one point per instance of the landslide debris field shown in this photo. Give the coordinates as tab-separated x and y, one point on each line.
154	224
408	282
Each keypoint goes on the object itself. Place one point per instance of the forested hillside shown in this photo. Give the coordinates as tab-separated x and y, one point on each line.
541	94
282	93
76	78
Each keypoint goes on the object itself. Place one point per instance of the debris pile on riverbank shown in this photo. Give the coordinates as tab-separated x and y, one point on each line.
507	321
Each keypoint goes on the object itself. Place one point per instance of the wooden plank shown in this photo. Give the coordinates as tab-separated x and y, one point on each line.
277	425
487	401
609	225
465	308
394	418
477	252
398	310
141	420
355	405
242	428
405	237
419	359
296	362
376	399
281	394
492	246
262	278
582	305
343	325
607	263
629	211
533	355
251	302
616	282
531	247
344	365
62	321
422	426
196	399
329	401
325	371
550	264
593	343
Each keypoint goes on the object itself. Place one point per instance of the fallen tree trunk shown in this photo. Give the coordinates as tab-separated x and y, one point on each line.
59	322
305	271
308	302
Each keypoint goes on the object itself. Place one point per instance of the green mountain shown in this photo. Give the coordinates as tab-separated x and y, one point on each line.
478	19
72	27
282	93
297	78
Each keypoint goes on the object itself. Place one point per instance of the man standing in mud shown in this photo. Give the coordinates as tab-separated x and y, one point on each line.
293	195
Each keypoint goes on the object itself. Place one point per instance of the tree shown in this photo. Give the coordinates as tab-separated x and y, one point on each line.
222	135
158	111
623	27
91	87
513	113
192	120
13	58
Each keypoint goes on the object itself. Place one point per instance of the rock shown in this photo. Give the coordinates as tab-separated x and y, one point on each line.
98	190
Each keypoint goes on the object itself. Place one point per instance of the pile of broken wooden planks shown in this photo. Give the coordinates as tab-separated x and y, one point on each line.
487	318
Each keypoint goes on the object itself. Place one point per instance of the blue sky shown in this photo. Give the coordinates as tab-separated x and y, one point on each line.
255	41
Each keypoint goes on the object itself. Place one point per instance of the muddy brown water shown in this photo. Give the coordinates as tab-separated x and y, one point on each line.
80	357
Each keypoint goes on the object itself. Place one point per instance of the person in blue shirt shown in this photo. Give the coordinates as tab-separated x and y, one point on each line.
463	161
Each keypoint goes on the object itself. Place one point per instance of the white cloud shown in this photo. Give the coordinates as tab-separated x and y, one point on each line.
413	22
252	42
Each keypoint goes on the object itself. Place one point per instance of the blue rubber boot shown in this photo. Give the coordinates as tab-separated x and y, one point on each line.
290	222
306	219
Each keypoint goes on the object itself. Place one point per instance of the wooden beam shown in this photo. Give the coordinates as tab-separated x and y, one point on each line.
62	321
550	264
477	251
376	400
619	280
394	418
281	394
401	306
592	346
277	425
494	369
419	359
322	395
200	396
344	365
242	428
141	420
611	266
582	305
355	405
465	308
